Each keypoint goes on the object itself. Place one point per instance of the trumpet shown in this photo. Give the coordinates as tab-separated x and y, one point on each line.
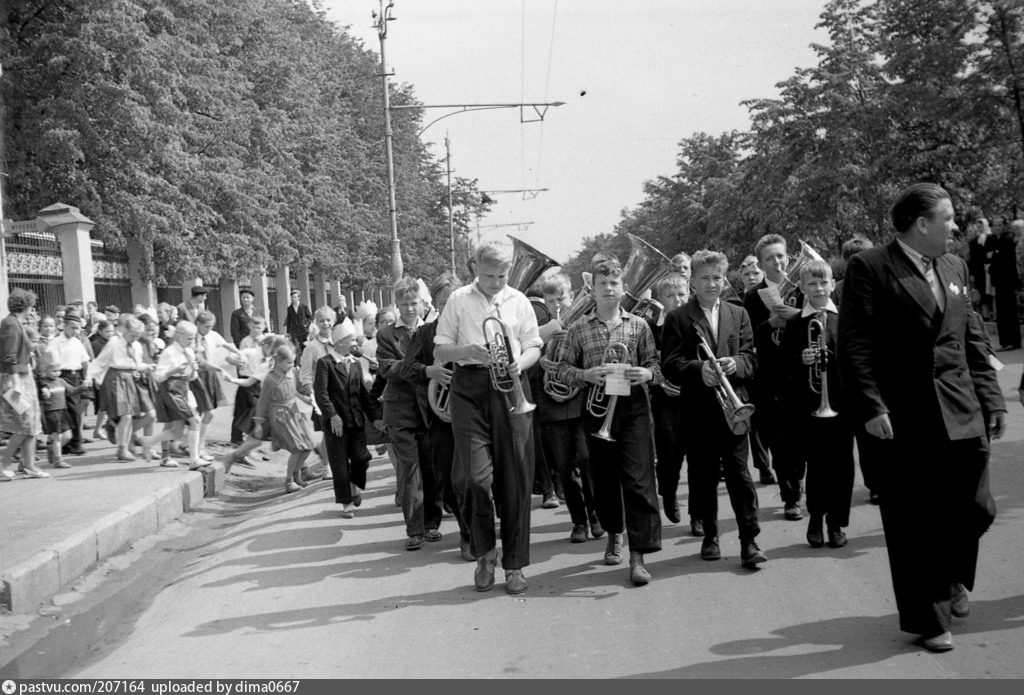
737	413
439	398
500	348
817	376
601	405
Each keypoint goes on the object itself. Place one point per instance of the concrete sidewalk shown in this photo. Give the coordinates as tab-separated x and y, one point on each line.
53	530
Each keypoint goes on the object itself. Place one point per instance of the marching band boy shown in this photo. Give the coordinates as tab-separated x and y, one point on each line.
621	468
712	443
825	443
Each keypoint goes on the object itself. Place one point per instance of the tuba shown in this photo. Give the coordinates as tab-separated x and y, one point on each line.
737	413
790	280
528	264
500	348
817	377
644	267
601	405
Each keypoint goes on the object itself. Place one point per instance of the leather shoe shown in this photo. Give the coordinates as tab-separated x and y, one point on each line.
836	538
709	549
466	553
751	556
671	508
961	604
515	582
638	574
815	535
414	542
613	551
696	528
432	535
579	533
939	643
596	530
792	512
550	501
483	578
767	478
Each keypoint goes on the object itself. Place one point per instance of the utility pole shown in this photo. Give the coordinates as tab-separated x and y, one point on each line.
451	212
381	25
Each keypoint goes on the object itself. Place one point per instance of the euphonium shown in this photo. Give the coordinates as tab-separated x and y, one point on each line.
439	398
817	377
737	413
528	264
645	266
790	280
499	346
582	305
599	404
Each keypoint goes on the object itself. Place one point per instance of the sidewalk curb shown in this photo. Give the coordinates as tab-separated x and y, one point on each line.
28	584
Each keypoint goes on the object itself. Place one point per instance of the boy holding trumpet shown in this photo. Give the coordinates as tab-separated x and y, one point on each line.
714	420
811	378
620	422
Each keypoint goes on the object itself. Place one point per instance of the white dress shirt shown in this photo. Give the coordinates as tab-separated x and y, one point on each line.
712	316
927	267
461	323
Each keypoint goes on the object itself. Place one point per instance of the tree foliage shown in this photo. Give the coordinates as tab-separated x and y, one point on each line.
903	91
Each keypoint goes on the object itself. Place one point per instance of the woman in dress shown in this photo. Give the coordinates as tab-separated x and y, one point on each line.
19	402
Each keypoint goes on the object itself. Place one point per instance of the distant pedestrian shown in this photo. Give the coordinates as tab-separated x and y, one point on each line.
19	401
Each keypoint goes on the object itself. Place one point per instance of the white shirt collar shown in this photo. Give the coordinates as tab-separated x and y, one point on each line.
809	310
916	256
714	307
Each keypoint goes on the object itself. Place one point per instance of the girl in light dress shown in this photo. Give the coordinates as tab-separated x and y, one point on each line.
278	418
206	387
175	403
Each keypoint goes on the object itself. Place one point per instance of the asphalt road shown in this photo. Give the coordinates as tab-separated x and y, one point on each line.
289	589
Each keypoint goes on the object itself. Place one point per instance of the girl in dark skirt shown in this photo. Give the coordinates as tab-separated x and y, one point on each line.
53	393
206	388
116	368
175	403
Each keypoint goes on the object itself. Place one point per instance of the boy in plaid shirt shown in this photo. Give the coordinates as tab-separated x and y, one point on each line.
622	469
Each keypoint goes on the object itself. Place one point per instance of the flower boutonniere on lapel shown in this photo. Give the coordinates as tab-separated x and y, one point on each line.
955	289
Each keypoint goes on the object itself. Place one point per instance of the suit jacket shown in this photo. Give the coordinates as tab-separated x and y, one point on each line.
769	378
898	354
402	409
419	354
296	322
800	400
187	312
681	364
340	393
239	325
15	349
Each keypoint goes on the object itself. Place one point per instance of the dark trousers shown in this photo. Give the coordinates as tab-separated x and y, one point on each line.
442	450
565	444
777	435
243	405
935	505
421	505
544	471
623	474
349	460
715	448
74	407
827	447
492	452
867	455
758	449
669	445
1006	316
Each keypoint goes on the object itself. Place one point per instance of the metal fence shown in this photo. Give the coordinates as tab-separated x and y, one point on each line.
34	263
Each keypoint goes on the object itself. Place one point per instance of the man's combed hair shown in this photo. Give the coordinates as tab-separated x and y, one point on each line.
705	257
768	240
916	201
851	247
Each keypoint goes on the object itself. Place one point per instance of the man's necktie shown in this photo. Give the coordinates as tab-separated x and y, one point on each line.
928	268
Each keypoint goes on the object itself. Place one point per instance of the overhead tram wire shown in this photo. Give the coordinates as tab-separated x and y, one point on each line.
547	86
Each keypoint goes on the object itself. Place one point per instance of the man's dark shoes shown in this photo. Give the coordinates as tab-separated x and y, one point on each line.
579	533
464	550
414	542
751	556
961	605
613	551
696	527
596	530
792	512
939	643
671	508
515	582
815	533
836	538
483	578
709	549
432	535
638	574
767	478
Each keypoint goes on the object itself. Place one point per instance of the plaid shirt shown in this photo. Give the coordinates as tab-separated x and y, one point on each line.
586	341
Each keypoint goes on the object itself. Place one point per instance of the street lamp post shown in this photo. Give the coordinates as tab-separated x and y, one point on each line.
381	25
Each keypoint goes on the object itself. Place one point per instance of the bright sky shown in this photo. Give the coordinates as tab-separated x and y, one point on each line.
636	77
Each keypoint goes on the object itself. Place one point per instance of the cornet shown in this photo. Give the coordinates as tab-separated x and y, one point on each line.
599	404
439	398
817	377
582	305
737	413
499	346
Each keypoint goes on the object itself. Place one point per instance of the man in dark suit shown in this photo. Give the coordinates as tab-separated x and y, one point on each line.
296	321
914	362
239	323
1006	282
188	311
406	421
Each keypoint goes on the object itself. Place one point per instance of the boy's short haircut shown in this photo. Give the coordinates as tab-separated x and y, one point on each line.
705	257
251	321
205	317
405	287
815	269
677	260
669	282
766	241
493	253
851	247
444	281
555	285
185	328
610	267
747	262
